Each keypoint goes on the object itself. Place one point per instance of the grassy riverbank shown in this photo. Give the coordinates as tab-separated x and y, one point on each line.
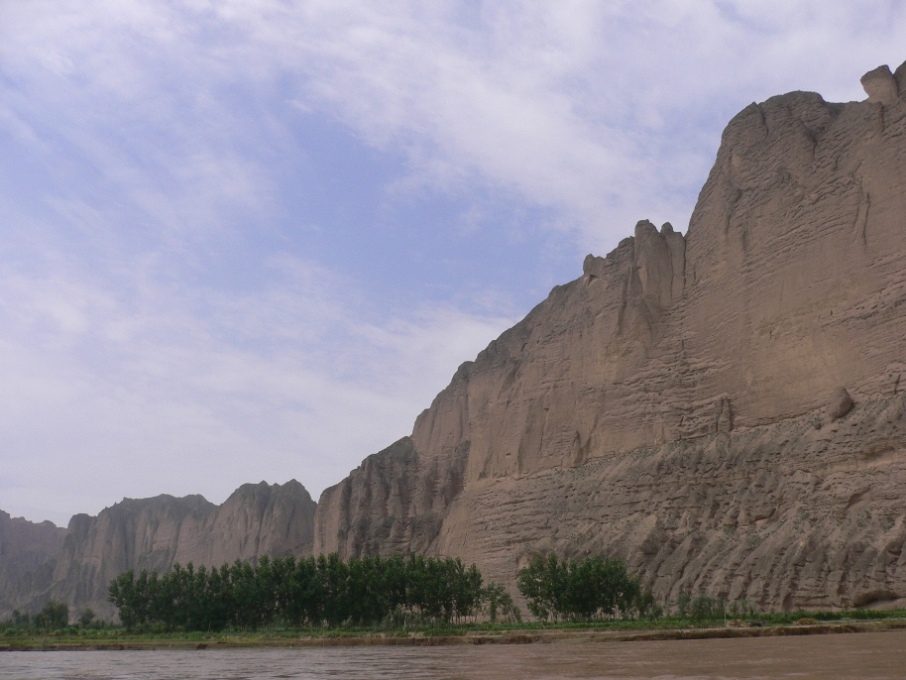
661	629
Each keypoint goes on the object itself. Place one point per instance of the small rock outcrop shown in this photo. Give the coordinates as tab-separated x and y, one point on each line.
881	86
840	404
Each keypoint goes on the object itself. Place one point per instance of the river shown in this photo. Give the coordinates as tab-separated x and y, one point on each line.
855	655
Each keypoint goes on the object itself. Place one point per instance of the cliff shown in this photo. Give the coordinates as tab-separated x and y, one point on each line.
723	409
153	534
687	403
28	554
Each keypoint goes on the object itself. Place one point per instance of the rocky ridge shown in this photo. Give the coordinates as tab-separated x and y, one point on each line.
153	534
687	403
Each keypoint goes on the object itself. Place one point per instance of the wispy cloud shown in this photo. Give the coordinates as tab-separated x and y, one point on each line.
577	106
585	107
143	396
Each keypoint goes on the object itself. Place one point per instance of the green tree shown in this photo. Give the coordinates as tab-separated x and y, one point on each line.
322	591
121	593
467	591
578	590
86	617
53	615
498	604
332	575
542	583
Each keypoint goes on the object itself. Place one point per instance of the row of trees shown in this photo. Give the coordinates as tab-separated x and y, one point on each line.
593	588
322	591
328	591
52	616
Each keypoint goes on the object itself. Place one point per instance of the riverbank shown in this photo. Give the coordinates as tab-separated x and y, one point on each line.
121	640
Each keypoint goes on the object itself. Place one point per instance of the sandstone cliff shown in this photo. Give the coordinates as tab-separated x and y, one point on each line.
153	533
687	403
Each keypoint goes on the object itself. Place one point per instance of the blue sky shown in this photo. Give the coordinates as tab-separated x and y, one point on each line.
246	240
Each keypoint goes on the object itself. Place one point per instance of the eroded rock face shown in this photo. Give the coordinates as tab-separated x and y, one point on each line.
792	514
669	405
28	554
154	533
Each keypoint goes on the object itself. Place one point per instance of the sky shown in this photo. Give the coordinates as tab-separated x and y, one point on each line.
246	240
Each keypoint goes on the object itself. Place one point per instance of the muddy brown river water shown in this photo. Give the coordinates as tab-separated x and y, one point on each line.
857	655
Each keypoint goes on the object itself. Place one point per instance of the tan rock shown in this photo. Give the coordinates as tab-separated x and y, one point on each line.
881	86
669	406
900	76
840	404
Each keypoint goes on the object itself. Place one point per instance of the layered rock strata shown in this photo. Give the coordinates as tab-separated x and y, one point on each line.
681	404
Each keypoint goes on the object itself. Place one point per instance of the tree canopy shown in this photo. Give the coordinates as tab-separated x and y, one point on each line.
584	590
322	591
